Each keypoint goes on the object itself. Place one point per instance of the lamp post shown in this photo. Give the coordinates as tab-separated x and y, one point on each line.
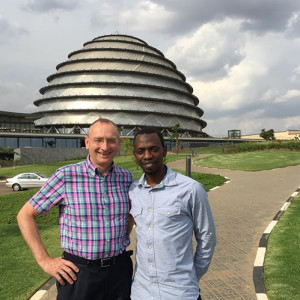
188	164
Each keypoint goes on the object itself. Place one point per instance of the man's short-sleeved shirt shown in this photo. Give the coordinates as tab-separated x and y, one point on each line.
93	209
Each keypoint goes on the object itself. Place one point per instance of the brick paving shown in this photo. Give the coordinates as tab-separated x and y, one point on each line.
242	210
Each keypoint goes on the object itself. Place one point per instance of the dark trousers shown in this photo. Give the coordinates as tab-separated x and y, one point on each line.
199	298
99	283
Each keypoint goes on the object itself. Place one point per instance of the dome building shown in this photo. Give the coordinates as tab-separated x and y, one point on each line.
121	78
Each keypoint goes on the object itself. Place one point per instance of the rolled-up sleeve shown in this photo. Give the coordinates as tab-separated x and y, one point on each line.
204	229
50	194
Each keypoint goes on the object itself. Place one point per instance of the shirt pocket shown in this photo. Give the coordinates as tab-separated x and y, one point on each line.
169	218
169	211
138	219
169	222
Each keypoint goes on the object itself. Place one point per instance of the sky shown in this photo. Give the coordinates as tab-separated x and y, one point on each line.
242	58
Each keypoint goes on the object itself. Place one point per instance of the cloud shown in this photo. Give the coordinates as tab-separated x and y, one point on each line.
50	5
241	57
268	16
263	87
133	17
9	30
14	91
165	21
293	25
290	94
251	123
211	52
259	16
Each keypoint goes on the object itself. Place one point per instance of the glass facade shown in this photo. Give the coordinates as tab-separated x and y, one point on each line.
16	122
48	142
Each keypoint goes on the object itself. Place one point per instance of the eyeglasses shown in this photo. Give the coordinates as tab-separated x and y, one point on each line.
100	141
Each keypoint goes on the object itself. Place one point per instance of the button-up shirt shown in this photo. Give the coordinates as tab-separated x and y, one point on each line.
166	217
93	209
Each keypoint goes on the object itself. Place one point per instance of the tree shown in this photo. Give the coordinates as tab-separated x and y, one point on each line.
127	147
8	155
267	135
175	135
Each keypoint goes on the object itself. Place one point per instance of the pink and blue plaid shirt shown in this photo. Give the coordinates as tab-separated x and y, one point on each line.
93	209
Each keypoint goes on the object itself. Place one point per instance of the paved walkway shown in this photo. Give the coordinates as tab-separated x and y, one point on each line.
242	210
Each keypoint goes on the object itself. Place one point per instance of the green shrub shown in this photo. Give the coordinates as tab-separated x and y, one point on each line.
259	146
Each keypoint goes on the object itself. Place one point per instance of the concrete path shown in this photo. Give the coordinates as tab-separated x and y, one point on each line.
242	210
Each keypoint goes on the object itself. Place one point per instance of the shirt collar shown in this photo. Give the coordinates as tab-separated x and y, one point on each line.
93	170
168	180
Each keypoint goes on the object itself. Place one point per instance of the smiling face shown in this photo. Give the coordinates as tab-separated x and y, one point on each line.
149	154
103	143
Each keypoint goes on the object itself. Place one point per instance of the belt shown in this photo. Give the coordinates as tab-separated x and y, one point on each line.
101	262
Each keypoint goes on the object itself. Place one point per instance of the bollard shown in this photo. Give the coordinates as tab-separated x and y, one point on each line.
188	164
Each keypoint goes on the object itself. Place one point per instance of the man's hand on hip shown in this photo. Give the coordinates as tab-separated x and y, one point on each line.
63	270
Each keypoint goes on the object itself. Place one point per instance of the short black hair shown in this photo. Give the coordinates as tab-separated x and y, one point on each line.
150	130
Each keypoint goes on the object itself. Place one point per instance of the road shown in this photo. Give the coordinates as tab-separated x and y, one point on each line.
4	190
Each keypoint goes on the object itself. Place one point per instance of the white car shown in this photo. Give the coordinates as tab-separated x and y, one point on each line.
26	180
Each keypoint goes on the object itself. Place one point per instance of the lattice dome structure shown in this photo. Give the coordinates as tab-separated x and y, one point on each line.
121	78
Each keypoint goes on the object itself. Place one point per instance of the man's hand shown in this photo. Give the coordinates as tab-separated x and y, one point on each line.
63	270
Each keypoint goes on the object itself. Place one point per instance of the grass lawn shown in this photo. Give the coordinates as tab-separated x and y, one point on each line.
282	263
47	169
251	161
20	275
126	162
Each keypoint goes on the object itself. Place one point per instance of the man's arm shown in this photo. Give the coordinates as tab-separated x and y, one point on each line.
204	229
130	224
57	267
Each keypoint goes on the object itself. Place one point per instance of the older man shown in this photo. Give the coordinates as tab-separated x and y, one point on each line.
168	208
93	208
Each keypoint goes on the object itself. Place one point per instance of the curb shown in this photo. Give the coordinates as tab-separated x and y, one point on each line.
258	268
43	289
216	187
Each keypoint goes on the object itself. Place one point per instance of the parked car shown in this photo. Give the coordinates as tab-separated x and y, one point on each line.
26	180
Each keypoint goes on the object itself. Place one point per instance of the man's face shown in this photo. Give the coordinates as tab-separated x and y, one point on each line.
149	153
103	143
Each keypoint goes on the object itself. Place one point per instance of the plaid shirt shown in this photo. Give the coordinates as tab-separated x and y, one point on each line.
93	209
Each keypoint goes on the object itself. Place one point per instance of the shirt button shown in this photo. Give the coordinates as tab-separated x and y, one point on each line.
149	228
153	283
149	209
150	247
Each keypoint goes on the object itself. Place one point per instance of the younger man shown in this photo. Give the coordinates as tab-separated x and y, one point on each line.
167	208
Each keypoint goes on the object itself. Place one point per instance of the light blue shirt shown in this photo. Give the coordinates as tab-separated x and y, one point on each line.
166	217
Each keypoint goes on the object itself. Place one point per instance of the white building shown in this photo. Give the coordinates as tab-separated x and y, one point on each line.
121	78
279	135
